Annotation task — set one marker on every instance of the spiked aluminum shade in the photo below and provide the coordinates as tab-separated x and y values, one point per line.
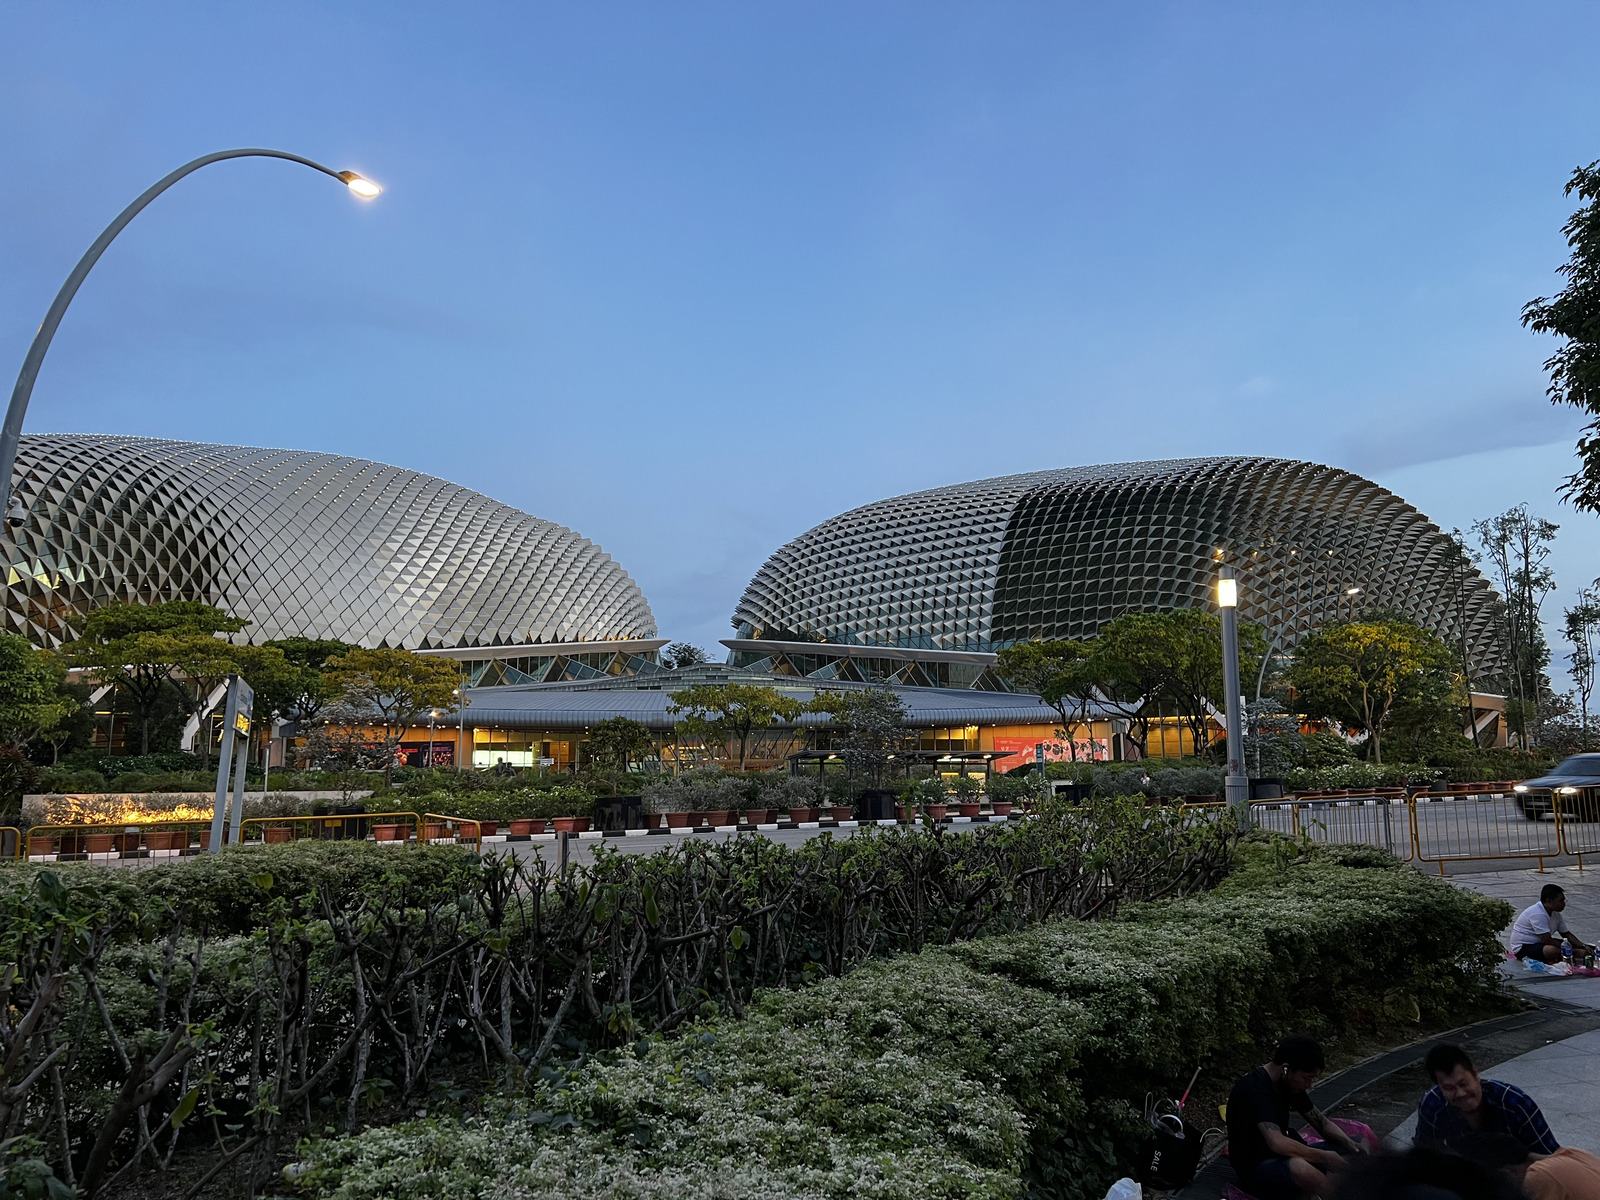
298	544
979	566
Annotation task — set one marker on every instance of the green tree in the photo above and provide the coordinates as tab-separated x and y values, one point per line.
618	741
397	686
868	727
305	686
1372	675
1517	545
1574	314
1066	675
1178	654
135	649
33	703
683	654
1582	621
723	712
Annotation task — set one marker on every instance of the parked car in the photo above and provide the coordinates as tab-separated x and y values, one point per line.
1574	784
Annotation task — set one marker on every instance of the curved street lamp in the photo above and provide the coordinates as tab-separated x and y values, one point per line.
12	429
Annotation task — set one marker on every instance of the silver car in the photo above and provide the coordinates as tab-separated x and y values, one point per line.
1575	784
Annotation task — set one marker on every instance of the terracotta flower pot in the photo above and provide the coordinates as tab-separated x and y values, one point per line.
276	835
842	812
717	816
526	825
1001	808
756	816
938	812
434	830
652	820
390	833
41	845
485	828
97	843
204	839
127	843
798	815
904	812
968	810
677	820
572	824
69	843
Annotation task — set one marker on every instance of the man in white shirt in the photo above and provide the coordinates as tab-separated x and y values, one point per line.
1540	928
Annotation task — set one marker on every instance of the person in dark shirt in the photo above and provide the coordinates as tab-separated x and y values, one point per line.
1272	1161
1461	1106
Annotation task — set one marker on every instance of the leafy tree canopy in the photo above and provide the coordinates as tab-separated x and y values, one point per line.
1574	314
618	741
1376	676
722	712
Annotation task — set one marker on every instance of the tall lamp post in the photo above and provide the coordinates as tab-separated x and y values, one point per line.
20	394
1238	784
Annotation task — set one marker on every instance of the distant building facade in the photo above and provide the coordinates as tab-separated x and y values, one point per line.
926	588
309	545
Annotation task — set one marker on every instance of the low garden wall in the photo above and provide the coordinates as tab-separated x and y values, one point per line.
97	807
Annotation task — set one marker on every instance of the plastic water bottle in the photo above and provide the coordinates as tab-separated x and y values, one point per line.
1566	953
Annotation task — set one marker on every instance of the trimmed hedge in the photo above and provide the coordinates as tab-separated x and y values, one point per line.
994	1067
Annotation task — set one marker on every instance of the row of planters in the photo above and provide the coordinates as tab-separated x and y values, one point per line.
72	843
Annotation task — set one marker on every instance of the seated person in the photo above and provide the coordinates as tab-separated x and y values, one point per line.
1568	1174
1460	1106
1540	928
1272	1161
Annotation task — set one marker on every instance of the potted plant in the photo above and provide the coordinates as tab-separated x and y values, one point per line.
276	835
435	831
842	812
390	833
97	843
967	790
524	826
572	824
162	839
717	817
41	844
757	816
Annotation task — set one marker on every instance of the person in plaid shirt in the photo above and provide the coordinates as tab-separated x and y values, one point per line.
1460	1106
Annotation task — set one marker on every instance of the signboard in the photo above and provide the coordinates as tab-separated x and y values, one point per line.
1021	750
241	722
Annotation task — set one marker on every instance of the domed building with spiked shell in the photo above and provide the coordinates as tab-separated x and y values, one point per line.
309	545
927	587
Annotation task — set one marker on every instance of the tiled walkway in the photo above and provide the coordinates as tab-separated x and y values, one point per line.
1563	1077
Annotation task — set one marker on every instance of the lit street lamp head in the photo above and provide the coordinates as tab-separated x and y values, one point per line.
1227	593
362	187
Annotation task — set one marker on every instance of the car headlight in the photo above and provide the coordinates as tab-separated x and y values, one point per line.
1568	791
1520	787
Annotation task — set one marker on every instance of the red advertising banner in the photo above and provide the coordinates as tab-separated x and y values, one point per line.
1020	750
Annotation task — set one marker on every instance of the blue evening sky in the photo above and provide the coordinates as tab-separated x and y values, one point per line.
690	278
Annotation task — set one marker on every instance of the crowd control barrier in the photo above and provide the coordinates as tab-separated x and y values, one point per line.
1467	823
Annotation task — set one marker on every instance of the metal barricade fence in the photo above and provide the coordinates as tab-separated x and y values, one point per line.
1476	826
1579	815
10	842
117	839
1375	820
394	828
437	827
